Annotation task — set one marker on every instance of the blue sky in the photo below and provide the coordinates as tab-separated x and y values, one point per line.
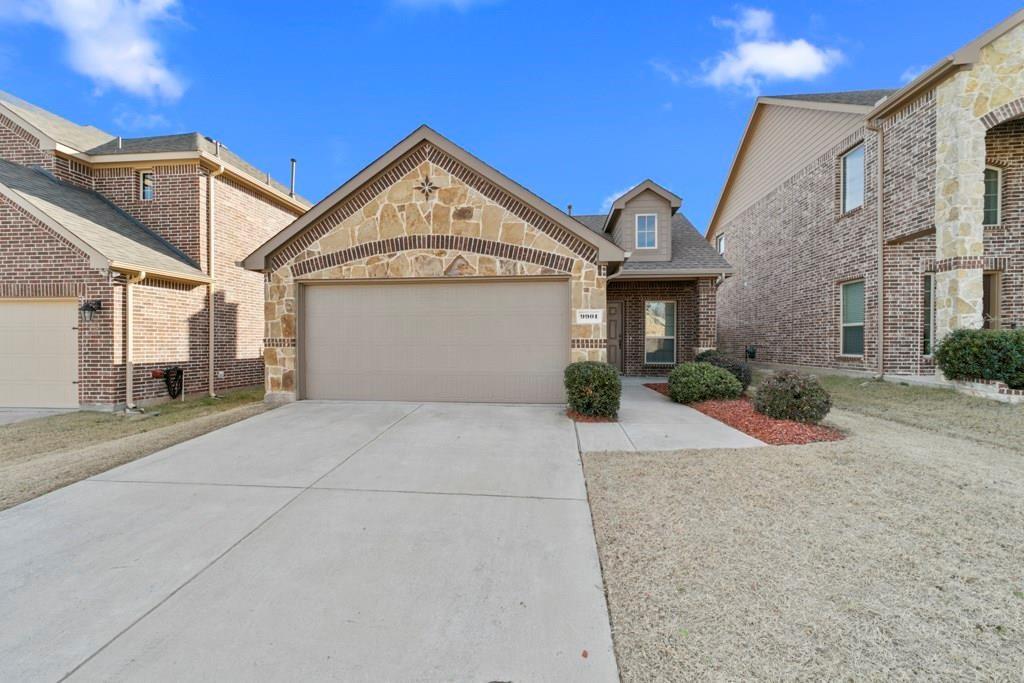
576	101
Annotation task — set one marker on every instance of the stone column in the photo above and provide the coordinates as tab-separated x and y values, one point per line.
707	324
959	207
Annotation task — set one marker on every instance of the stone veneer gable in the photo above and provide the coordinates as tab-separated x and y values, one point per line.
464	227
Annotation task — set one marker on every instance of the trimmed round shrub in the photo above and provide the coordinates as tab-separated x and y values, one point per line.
738	368
695	382
791	396
593	388
703	356
983	354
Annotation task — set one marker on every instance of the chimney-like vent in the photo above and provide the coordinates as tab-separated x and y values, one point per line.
119	142
570	209
291	185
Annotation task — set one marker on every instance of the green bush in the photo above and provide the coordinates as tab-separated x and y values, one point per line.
593	388
703	356
694	382
791	396
738	368
983	354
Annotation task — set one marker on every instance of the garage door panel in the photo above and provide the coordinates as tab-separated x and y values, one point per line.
38	353
492	342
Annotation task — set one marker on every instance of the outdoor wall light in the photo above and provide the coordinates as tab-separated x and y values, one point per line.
89	308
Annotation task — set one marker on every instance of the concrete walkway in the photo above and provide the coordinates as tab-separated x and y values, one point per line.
11	415
319	541
649	421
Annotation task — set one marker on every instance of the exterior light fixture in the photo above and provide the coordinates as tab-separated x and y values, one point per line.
89	308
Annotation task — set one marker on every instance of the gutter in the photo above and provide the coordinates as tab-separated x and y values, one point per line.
211	224
129	339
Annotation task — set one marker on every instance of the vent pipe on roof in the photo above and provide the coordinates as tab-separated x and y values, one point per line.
570	209
291	186
119	142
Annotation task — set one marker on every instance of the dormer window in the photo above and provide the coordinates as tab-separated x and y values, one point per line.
146	185
647	231
720	244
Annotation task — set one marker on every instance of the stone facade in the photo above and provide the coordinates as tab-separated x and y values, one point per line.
427	216
793	248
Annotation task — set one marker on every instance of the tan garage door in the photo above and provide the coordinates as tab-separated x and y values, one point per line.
502	342
38	354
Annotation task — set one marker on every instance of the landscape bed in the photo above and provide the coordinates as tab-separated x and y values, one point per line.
740	414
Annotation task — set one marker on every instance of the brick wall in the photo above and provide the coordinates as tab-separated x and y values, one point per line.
36	263
21	147
633	294
792	250
1005	149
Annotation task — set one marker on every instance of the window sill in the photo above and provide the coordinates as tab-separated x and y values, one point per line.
850	213
659	365
849	357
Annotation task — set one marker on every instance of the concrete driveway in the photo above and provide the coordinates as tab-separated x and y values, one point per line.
322	540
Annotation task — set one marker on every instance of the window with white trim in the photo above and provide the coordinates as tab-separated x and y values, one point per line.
720	244
852	317
660	332
993	195
853	178
146	185
647	231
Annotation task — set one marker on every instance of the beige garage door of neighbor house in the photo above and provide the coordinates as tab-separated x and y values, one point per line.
492	341
38	353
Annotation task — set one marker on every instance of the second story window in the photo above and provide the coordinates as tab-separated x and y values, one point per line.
993	195
853	178
720	244
647	231
145	185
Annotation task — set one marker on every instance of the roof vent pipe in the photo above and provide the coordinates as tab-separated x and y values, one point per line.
216	147
291	186
570	209
119	142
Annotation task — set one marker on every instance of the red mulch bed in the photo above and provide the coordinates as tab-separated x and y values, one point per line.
740	414
580	417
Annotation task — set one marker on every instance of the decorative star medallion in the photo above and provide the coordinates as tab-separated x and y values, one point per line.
426	187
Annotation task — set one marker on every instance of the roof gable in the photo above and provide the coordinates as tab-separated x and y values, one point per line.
426	144
674	200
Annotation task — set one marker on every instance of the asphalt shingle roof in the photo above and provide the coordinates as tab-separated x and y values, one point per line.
866	98
689	249
60	129
95	221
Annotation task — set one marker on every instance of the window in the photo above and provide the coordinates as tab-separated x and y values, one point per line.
720	244
660	332
928	331
853	178
990	296
993	195
646	231
145	185
853	319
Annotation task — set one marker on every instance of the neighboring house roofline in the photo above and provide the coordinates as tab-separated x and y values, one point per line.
674	200
607	250
964	57
723	195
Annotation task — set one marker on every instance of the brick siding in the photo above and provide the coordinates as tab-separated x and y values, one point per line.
1005	149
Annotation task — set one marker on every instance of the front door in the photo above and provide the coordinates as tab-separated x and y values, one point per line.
615	334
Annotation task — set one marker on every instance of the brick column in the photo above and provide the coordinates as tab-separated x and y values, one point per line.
959	207
707	325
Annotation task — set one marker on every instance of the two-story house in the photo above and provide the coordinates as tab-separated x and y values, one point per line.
119	257
430	276
864	226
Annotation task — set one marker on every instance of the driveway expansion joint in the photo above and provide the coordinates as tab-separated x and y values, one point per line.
447	493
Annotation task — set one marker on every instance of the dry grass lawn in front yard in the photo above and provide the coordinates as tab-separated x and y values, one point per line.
896	553
40	455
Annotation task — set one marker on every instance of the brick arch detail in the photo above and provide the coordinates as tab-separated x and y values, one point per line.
1008	111
461	243
427	152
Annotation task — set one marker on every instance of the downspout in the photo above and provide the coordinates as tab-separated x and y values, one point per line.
211	191
879	219
129	338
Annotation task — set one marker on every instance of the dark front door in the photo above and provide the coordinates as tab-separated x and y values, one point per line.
615	334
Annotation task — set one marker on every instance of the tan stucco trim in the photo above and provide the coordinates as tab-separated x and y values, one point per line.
648	185
824	106
962	58
607	251
130	269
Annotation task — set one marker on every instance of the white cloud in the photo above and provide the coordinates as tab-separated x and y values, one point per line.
460	5
606	203
911	72
110	41
666	70
758	56
133	120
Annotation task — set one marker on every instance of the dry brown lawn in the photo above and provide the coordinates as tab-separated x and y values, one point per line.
41	455
895	554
